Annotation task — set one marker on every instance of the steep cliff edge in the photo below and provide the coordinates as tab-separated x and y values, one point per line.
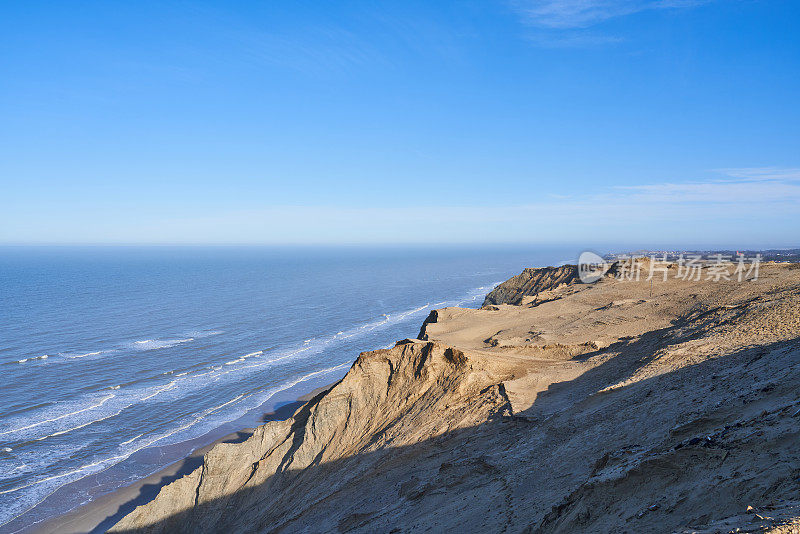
531	282
608	407
389	399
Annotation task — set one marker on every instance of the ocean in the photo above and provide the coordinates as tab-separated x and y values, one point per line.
109	351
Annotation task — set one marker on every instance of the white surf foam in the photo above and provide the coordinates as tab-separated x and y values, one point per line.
60	417
84	425
155	344
141	345
243	358
168	387
78	355
33	358
134	438
259	397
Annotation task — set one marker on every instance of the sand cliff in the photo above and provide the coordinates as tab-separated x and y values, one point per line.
530	283
558	407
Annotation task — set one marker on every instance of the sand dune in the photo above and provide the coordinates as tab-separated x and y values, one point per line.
558	407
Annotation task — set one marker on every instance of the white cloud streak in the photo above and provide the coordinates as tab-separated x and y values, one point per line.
768	174
741	186
567	14
573	23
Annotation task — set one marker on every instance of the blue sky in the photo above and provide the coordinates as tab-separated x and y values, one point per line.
643	122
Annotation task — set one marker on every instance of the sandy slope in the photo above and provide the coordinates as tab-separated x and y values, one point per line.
587	408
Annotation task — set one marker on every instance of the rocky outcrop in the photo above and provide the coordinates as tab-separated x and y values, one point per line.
433	317
530	283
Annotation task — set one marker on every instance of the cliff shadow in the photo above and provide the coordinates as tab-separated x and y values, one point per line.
148	491
464	473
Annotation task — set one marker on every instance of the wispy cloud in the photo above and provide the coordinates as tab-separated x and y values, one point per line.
564	14
762	174
738	186
567	23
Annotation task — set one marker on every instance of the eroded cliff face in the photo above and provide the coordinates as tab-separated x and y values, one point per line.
530	283
609	407
390	399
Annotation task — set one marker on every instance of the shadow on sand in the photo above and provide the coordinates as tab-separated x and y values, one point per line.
531	471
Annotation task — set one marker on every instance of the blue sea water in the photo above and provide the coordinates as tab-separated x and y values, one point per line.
107	351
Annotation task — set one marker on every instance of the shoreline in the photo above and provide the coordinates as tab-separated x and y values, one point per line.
109	495
105	509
